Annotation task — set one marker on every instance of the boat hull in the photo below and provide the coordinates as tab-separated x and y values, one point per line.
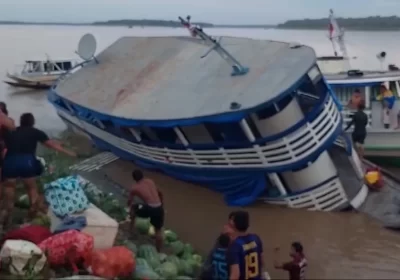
28	85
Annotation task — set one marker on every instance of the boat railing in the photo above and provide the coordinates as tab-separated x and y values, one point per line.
327	197
296	147
347	116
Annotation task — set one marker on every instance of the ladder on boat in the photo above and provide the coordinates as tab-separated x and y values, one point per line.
95	162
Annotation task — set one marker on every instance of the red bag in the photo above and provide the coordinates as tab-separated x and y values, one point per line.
68	247
31	233
114	262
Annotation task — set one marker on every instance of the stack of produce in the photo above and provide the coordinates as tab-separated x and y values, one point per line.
179	260
181	263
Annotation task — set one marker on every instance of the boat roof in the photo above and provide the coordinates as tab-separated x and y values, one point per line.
367	77
158	78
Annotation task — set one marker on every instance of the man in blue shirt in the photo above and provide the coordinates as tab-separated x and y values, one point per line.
245	254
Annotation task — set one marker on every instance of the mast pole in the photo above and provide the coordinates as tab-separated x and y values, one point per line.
238	68
338	33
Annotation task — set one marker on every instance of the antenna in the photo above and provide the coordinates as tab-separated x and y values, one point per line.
87	47
196	31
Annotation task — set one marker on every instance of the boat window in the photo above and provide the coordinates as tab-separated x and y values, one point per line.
226	132
314	74
307	88
166	134
196	134
308	94
393	88
375	90
67	65
273	109
344	93
127	134
146	133
58	66
253	128
36	66
108	124
48	66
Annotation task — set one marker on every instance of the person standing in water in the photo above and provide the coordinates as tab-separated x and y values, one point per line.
297	266
152	206
360	122
245	254
20	162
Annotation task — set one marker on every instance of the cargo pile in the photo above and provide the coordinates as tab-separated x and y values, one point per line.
85	231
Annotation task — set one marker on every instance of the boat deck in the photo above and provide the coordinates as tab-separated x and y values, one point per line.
160	78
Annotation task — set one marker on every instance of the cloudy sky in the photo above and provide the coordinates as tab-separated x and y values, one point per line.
214	11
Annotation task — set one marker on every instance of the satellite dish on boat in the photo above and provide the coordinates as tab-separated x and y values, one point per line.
381	57
87	47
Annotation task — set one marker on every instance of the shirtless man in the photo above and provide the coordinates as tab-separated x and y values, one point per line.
152	206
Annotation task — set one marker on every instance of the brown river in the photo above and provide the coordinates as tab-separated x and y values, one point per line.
338	245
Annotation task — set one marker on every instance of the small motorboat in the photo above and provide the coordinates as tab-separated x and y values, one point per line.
39	74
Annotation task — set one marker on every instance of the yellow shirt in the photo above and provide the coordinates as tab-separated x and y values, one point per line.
386	94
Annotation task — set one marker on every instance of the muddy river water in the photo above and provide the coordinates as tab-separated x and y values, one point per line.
338	245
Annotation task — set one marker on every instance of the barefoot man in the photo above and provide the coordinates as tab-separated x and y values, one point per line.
151	207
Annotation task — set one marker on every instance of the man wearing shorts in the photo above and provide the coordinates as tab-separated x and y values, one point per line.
360	122
151	207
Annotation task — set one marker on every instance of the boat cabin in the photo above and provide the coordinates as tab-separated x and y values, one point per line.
47	67
369	85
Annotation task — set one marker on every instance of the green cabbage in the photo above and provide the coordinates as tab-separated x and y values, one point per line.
162	257
170	236
145	273
177	247
142	225
140	262
168	271
149	253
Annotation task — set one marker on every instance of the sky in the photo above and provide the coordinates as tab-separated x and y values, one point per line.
213	11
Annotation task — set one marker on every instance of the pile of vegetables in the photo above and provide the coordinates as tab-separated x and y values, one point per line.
180	262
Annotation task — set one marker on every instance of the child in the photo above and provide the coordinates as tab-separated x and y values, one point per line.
217	268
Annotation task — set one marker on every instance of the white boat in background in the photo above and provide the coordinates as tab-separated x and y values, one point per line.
39	74
344	81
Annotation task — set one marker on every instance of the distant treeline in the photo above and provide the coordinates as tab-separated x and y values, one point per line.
147	22
266	26
40	23
369	23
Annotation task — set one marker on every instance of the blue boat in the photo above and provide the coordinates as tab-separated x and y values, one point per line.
251	119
